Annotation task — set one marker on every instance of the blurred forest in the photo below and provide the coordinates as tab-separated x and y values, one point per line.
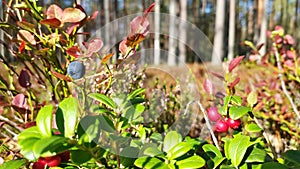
226	23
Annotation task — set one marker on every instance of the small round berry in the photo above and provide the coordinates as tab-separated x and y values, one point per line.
53	161
221	126
40	164
213	114
234	124
76	70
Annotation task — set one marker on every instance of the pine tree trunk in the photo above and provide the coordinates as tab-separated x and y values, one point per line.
182	32
157	33
231	37
172	31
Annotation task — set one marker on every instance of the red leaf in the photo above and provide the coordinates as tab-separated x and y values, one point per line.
123	48
290	54
20	101
94	16
208	86
74	51
107	57
139	25
235	82
22	47
221	77
94	46
149	9
54	11
27	36
54	22
61	76
289	39
71	28
234	63
24	79
73	15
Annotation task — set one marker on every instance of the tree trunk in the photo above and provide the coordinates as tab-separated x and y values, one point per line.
263	29
182	32
172	31
231	37
106	21
156	34
219	33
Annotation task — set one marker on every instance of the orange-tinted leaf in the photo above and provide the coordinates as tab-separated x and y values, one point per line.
234	63
134	40
73	15
74	51
54	11
54	22
61	76
26	25
208	86
27	36
22	46
149	9
107	57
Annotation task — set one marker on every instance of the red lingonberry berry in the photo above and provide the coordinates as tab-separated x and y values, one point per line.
40	164
234	124
221	126
53	161
213	114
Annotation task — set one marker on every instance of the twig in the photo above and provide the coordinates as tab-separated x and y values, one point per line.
214	138
282	82
13	124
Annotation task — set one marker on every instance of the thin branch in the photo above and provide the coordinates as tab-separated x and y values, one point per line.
214	138
11	123
282	82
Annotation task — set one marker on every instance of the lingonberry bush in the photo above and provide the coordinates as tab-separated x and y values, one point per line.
102	125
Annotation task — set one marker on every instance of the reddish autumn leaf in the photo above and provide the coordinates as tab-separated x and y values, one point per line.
73	15
218	75
94	16
234	63
24	79
61	76
123	48
289	39
93	46
208	86
107	57
22	46
74	51
149	9
26	25
54	11
235	82
291	54
54	22
20	101
27	36
278	98
134	40
139	25
71	28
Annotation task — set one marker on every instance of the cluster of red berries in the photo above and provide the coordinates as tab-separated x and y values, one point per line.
53	161
222	124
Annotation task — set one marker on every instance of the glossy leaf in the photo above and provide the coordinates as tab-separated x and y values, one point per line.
258	155
152	151
150	163
127	156
54	11
274	165
53	22
44	121
66	116
172	138
46	147
252	127
26	25
106	124
237	148
88	129
103	99
73	15
209	148
236	112
292	156
179	150
191	162
13	164
234	63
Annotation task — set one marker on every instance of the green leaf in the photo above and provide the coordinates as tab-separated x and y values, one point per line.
88	129
191	162
273	165
106	124
211	148
258	155
237	148
252	127
128	156
152	151
236	112
13	164
179	150
226	141
29	133
27	149
44	121
150	163
172	138
292	156
237	100
252	98
156	136
103	99
80	156
46	147
66	116
136	93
